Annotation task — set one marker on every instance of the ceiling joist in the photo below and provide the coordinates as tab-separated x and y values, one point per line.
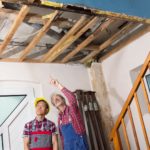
24	10
73	38
16	60
119	34
141	33
88	40
83	10
31	18
37	38
75	28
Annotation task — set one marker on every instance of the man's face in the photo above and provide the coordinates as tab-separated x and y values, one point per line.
41	108
58	101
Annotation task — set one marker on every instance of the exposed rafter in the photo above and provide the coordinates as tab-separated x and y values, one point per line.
72	39
16	60
74	29
24	10
31	18
119	34
38	36
88	40
141	33
92	47
87	11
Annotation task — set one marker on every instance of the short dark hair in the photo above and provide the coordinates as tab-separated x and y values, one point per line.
44	102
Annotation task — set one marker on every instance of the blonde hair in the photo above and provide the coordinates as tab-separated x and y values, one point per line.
56	95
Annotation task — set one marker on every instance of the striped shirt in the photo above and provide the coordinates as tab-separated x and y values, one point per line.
40	126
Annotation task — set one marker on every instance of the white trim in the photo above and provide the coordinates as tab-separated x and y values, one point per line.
17	90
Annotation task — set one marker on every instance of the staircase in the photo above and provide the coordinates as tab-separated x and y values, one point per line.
115	136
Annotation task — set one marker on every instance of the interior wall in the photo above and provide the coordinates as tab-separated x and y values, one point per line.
37	76
103	101
116	70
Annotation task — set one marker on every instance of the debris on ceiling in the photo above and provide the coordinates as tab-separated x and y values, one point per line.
33	32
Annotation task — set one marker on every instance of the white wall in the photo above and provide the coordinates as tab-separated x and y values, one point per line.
37	76
116	72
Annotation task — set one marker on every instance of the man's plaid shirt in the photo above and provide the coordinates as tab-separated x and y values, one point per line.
75	115
39	127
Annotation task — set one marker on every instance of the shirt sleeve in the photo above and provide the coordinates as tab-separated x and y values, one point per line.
54	129
71	99
61	136
26	131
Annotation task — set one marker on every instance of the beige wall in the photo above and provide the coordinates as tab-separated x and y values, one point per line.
116	73
37	76
99	86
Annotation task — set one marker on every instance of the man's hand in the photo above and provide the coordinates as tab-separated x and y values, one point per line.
55	82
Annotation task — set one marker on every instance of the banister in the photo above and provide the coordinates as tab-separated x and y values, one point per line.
130	97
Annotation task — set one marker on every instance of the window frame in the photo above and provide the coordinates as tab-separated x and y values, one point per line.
14	108
2	141
146	84
147	81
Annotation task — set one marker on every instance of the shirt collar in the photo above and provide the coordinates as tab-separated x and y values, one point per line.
61	113
37	122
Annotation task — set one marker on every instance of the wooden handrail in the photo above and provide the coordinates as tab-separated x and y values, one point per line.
130	97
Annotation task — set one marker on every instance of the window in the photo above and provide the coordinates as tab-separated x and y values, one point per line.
8	104
1	142
148	81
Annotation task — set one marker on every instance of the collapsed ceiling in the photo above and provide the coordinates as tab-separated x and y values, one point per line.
62	37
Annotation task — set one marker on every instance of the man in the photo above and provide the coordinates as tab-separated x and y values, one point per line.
40	133
70	122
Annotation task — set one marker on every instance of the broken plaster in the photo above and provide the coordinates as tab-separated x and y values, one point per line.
47	16
99	87
113	14
54	4
124	16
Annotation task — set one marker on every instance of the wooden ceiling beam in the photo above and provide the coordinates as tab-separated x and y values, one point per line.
89	11
135	37
37	38
31	18
66	37
16	60
74	38
91	47
119	34
88	40
21	15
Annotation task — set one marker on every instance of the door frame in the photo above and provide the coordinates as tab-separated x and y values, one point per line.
28	100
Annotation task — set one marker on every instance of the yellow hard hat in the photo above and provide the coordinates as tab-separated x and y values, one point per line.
42	99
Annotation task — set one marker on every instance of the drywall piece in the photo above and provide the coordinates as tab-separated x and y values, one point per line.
127	7
99	87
